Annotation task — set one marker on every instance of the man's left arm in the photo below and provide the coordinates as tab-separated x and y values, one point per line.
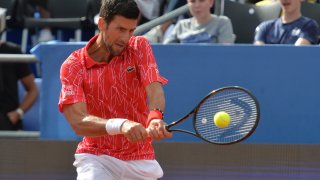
309	34
155	93
156	103
302	41
32	92
30	97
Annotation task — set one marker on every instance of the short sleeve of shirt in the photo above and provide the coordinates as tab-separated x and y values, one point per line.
310	32
71	76
260	32
23	70
147	66
225	31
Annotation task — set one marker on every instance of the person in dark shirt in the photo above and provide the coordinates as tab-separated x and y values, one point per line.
291	28
11	111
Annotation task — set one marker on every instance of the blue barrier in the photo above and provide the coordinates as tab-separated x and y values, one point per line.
285	80
53	124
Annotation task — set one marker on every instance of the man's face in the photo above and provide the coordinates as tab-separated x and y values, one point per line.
290	6
199	8
117	33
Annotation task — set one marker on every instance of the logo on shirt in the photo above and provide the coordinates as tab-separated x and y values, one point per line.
68	90
130	68
296	32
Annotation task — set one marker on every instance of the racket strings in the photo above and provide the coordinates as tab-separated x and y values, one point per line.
240	106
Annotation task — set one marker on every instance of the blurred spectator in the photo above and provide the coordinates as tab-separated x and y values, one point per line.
150	9
11	112
39	9
203	27
160	32
290	28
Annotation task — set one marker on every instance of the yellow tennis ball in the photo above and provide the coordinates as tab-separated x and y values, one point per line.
221	119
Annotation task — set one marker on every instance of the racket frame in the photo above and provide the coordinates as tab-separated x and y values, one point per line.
195	110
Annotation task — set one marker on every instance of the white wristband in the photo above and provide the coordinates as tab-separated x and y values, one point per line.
113	126
20	112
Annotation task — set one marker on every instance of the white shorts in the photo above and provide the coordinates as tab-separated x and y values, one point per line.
103	167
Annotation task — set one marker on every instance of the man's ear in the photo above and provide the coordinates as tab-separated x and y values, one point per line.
102	25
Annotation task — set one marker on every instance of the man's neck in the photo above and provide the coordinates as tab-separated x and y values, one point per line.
290	17
204	20
98	51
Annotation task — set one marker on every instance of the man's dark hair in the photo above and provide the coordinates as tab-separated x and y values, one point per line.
126	8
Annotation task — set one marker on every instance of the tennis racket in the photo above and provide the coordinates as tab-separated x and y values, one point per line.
239	103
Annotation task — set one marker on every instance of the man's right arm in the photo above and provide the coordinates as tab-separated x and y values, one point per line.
84	124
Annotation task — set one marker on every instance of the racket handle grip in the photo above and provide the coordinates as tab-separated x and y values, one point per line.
168	128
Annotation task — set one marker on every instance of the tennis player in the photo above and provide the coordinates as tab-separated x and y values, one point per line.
112	95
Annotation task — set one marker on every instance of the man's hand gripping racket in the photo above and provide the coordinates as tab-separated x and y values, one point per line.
240	109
